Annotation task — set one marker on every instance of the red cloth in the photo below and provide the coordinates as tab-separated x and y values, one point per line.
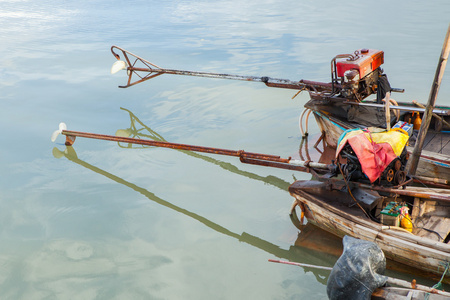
374	158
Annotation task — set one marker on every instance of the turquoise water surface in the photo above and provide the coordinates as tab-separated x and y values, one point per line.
102	220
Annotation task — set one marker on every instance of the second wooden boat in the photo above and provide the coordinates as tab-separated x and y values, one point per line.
373	214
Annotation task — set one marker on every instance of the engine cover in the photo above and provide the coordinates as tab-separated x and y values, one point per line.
364	61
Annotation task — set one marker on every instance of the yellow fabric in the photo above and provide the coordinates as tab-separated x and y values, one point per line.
395	138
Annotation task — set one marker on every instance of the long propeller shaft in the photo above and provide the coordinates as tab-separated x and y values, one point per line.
245	157
144	70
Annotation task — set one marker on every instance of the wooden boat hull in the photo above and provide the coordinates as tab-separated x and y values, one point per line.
406	248
431	164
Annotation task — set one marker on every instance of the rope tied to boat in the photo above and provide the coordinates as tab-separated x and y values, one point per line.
296	94
438	285
308	166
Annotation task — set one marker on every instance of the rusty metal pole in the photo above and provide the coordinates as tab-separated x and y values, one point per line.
414	161
245	157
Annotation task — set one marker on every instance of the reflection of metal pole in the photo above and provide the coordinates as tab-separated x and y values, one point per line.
135	132
294	253
414	161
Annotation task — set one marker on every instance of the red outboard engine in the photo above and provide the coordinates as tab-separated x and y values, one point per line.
355	76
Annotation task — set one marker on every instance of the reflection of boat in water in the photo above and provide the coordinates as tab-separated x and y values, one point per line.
307	248
296	252
312	245
139	130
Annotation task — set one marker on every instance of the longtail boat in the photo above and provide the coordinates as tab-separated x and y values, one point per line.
340	104
373	211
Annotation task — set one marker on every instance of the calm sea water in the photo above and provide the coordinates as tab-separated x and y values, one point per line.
108	221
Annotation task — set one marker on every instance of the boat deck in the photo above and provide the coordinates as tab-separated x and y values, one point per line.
439	143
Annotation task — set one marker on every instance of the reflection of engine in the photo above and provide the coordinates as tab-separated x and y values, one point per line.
394	174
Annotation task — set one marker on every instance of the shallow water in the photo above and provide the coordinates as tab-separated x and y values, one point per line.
106	221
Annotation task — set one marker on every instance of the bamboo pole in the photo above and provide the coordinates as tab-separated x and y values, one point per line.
414	161
388	111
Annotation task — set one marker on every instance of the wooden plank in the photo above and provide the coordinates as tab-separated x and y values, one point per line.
416	209
446	149
428	138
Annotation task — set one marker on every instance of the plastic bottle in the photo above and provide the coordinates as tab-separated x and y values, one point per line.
406	219
417	121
